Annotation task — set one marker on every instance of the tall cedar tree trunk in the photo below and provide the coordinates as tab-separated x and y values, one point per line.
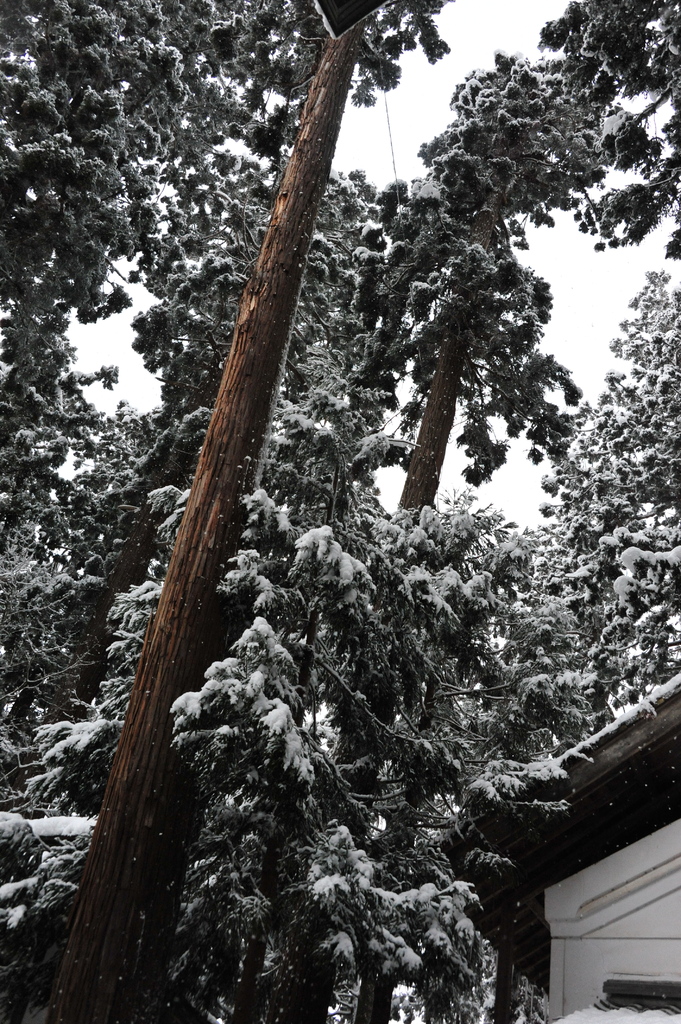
122	926
422	482
425	467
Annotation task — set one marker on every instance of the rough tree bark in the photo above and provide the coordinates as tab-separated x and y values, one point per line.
114	967
425	467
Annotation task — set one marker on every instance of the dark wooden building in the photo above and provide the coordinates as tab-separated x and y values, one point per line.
621	786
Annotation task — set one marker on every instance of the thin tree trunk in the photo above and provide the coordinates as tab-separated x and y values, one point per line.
425	467
129	571
304	986
365	1000
246	998
383	1001
122	926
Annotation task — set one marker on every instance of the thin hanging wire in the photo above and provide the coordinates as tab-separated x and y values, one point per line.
394	166
392	148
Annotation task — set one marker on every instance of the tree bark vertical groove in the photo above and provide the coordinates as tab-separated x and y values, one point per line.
114	967
425	467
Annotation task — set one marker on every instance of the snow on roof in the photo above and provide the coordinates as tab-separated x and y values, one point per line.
646	708
596	1015
327	24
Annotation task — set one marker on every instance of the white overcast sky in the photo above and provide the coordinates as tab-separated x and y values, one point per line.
591	290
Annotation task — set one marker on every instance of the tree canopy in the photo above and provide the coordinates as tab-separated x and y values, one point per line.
379	679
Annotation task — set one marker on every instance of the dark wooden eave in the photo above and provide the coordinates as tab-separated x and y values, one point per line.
341	15
629	786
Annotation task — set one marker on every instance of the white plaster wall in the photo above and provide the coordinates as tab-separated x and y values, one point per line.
619	918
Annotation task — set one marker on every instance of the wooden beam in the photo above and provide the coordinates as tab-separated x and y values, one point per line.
535	906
